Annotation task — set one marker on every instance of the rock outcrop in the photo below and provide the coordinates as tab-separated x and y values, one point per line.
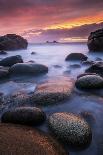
95	41
12	42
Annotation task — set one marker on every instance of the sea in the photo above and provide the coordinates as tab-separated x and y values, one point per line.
53	55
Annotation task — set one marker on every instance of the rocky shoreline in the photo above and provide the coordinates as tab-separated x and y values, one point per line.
67	131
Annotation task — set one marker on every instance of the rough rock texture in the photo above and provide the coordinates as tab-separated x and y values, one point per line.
84	74
12	42
3	72
76	56
9	61
89	82
96	68
95	41
20	140
52	92
28	68
71	128
24	115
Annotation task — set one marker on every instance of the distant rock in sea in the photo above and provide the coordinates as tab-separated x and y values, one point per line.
12	42
95	41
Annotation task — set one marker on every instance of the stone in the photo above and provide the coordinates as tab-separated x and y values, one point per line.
22	140
76	57
52	92
84	74
24	115
3	72
89	82
71	129
12	42
3	53
9	61
95	41
28	69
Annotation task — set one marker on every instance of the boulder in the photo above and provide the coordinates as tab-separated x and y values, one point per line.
24	115
12	42
84	74
95	41
87	63
9	61
71	129
89	82
96	68
22	140
52	92
28	69
76	57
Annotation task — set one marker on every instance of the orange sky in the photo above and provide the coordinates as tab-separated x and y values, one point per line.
39	21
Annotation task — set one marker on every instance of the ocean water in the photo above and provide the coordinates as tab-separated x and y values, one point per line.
53	55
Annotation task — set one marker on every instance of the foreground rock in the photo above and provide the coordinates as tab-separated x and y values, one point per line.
71	129
20	140
89	82
9	61
24	115
28	68
84	74
3	53
52	92
77	57
12	42
96	68
3	72
95	41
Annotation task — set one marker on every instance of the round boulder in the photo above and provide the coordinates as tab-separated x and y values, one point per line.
52	92
21	140
9	61
89	82
76	57
24	115
70	128
95	41
28	69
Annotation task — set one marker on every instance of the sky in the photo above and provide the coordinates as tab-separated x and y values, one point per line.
42	20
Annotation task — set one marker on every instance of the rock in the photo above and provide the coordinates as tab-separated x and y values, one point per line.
96	68
76	57
57	66
3	72
24	115
88	62
12	42
98	59
3	53
89	82
75	66
28	69
52	92
84	74
32	53
9	61
95	41
21	140
71	128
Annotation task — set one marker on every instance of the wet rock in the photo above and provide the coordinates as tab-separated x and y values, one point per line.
71	128
28	69
9	61
24	115
21	140
98	59
96	68
52	92
3	53
84	74
89	82
88	62
77	57
75	66
32	53
12	42
95	41
57	66
3	72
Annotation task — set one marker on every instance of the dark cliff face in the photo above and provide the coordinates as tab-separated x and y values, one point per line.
12	42
95	41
